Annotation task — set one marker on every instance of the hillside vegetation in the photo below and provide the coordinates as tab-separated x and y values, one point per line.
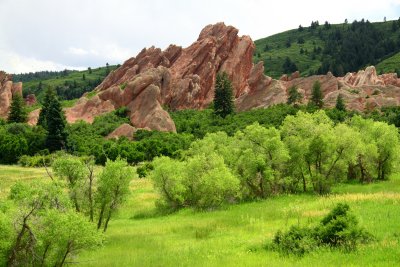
339	48
69	84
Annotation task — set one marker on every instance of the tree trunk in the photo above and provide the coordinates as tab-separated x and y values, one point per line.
44	255
101	216
304	182
107	220
66	254
13	255
90	197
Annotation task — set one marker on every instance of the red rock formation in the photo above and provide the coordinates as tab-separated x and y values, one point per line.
183	78
123	130
30	100
177	78
7	90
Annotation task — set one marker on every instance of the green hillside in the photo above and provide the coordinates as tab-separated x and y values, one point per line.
338	48
391	64
69	84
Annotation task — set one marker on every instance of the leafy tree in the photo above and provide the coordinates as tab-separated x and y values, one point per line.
18	111
209	181
294	95
46	231
223	97
74	172
113	187
316	95
168	176
381	145
52	118
200	181
319	152
340	105
262	160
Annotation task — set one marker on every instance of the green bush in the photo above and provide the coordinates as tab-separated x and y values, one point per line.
296	241
338	229
144	169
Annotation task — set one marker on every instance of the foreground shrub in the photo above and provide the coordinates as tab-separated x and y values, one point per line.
296	241
338	229
201	182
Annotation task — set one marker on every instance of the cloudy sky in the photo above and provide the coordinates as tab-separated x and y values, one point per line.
75	34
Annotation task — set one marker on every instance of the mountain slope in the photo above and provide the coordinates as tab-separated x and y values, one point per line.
69	84
339	48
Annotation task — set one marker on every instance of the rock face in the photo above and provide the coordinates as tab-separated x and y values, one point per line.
30	100
123	130
184	78
7	90
177	78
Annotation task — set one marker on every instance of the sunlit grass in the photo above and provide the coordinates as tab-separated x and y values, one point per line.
236	235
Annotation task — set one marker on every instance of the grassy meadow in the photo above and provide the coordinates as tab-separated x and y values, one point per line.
237	235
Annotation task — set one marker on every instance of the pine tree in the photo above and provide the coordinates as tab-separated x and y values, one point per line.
294	95
18	112
52	118
223	99
340	105
316	95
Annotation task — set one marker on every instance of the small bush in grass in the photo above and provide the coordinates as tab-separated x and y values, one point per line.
296	241
338	229
144	169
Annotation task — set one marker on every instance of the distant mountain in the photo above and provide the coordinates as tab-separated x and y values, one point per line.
69	84
339	48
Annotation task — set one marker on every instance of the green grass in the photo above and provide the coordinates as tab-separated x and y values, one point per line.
9	174
391	64
237	235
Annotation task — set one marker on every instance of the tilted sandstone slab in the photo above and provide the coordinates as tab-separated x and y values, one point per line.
7	90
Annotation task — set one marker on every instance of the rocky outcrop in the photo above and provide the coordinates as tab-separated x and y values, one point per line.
30	100
124	130
33	117
184	78
7	90
177	78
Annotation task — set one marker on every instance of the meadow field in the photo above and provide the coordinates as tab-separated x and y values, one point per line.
237	235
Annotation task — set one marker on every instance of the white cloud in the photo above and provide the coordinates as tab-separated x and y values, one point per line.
17	64
48	33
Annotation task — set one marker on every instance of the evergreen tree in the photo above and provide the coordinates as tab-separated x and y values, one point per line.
223	99
316	95
294	95
340	105
52	118
17	110
289	66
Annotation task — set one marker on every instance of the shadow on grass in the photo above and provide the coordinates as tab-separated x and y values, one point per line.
150	214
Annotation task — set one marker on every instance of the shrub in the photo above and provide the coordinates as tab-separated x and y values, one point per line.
340	229
337	229
144	169
296	241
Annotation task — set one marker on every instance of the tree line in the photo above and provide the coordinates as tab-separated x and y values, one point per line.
308	152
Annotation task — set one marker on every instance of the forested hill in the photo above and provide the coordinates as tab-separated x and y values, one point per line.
69	84
338	48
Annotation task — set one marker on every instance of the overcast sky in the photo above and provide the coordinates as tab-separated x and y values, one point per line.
76	34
